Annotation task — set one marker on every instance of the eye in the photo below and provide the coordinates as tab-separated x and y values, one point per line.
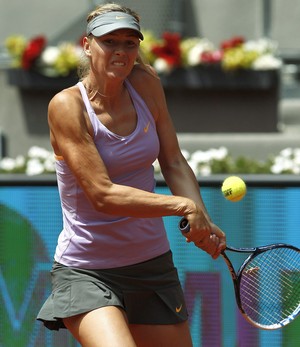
132	43
109	42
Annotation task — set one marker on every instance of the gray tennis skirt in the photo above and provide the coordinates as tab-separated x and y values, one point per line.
149	292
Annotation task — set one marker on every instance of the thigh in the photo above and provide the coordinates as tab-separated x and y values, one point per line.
103	327
175	335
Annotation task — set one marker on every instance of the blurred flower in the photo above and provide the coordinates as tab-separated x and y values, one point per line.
49	55
168	50
34	54
34	167
162	66
195	51
288	161
67	59
219	161
172	51
266	61
15	46
37	161
32	51
202	161
212	161
7	164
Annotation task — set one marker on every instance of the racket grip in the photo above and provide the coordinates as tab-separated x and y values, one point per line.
184	225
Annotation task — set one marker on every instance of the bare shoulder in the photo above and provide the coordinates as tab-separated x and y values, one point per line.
144	77
147	83
66	108
67	119
65	100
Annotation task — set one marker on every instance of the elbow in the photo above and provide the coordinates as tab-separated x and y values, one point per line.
104	201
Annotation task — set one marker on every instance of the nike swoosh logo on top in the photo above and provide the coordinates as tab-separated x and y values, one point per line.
178	309
146	128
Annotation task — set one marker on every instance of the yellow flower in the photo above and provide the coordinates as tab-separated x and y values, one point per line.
67	59
16	45
146	46
238	57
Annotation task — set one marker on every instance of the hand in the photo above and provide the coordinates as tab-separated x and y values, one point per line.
211	239
217	242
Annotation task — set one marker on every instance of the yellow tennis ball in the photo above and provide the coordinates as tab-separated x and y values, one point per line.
234	188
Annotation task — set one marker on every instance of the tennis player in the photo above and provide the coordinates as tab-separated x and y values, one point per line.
113	278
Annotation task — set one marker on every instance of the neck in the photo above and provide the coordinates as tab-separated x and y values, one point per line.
103	92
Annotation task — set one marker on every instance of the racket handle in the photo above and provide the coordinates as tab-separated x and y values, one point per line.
184	225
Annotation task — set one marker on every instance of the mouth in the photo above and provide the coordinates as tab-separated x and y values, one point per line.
118	63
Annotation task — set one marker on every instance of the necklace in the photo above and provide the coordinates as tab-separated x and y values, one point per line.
90	91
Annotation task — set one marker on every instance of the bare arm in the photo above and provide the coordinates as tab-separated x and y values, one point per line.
71	137
182	181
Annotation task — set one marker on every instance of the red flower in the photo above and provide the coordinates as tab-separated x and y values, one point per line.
170	49
211	57
33	51
233	42
80	40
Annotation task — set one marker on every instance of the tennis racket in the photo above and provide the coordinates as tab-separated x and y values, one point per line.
267	284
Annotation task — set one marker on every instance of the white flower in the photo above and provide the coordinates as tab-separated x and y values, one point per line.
194	54
34	167
20	161
162	66
156	166
49	164
288	160
261	46
209	155
49	55
296	170
297	156
205	170
267	62
185	153
79	51
276	169
38	152
286	153
7	164
218	154
200	156
194	166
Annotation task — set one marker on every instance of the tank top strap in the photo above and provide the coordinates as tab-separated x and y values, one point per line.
140	105
85	98
133	93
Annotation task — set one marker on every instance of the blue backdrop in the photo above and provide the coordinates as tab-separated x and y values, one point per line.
30	221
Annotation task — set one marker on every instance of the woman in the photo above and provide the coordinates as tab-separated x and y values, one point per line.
114	281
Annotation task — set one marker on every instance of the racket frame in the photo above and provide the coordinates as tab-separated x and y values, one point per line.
236	275
236	278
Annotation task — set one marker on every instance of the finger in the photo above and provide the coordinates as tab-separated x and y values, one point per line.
222	245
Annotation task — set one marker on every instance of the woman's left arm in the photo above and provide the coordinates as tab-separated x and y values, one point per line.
176	171
181	179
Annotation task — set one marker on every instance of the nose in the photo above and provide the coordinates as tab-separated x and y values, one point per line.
120	49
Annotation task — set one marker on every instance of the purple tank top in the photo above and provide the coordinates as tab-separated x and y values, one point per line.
95	240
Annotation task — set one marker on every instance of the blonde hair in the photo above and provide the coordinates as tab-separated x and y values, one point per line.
112	7
84	65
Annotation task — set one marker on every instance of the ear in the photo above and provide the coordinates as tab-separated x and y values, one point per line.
86	46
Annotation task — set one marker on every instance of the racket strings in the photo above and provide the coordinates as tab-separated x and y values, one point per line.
269	264
273	294
275	291
270	286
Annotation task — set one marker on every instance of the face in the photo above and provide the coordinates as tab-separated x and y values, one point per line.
113	54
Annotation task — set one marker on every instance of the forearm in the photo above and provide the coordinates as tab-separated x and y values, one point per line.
127	201
182	182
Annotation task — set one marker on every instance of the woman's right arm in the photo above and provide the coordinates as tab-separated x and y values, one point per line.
72	138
